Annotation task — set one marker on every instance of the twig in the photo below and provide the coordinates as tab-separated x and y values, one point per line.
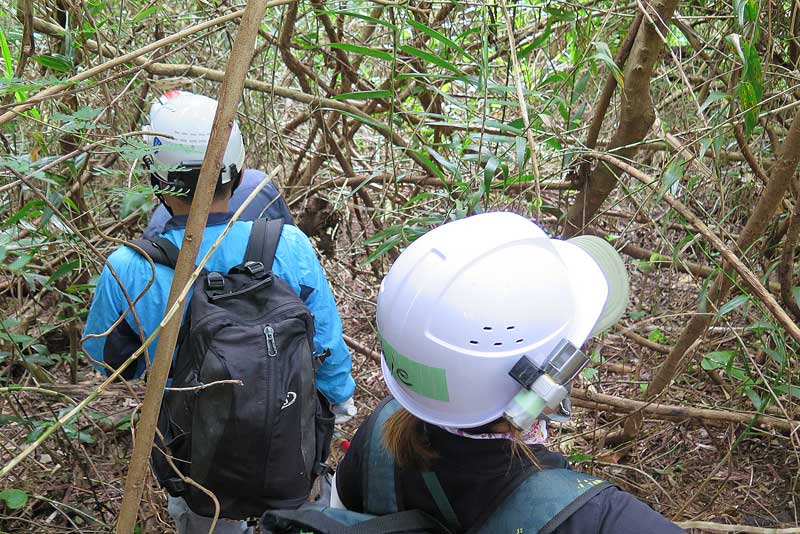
523	106
204	386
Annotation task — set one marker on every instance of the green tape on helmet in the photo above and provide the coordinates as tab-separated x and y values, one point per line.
422	379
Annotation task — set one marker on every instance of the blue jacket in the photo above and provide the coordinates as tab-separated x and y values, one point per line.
268	203
295	262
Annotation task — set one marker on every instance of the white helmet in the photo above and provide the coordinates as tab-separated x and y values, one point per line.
465	302
187	118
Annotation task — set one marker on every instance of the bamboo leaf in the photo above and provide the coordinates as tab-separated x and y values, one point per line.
355	15
430	58
362	50
603	55
8	72
364	95
56	62
441	38
143	14
732	305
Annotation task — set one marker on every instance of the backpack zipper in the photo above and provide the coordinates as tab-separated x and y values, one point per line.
269	335
282	308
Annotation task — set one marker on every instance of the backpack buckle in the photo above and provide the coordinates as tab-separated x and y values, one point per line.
319	358
215	280
255	268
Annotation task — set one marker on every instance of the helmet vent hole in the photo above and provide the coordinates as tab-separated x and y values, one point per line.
520	340
510	327
498	344
473	342
487	328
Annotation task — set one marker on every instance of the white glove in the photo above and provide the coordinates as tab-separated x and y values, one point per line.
344	411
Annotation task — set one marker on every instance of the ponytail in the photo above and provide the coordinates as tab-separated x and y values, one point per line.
405	438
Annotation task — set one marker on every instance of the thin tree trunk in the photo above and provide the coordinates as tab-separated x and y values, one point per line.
636	114
229	97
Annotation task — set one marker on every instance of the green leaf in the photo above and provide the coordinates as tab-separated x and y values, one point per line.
354	15
430	58
672	176
732	305
143	14
755	398
56	62
713	96
8	72
521	151
384	247
133	200
717	359
431	166
775	355
657	336
540	40
364	95
21	261
441	38
580	457
363	50
603	54
63	270
14	498
746	11
589	373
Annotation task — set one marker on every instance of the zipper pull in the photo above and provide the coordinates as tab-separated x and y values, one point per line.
269	335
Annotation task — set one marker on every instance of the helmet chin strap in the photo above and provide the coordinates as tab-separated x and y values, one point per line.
164	203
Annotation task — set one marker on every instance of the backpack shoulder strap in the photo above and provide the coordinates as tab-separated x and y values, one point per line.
337	521
263	241
379	494
543	501
159	249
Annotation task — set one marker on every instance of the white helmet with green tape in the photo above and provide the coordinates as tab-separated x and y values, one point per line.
466	301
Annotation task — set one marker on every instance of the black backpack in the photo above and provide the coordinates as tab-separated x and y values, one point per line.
258	445
534	501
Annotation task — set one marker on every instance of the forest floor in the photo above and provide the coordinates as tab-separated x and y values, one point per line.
686	469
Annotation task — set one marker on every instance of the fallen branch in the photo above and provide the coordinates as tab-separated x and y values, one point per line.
672	410
743	529
362	349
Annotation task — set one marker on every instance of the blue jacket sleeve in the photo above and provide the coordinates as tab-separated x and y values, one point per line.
119	344
333	378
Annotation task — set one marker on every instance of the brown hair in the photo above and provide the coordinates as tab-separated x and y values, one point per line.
405	438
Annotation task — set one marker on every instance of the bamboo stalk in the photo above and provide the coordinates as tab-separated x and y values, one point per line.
229	97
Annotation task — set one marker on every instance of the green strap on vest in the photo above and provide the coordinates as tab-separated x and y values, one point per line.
378	486
440	498
539	504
